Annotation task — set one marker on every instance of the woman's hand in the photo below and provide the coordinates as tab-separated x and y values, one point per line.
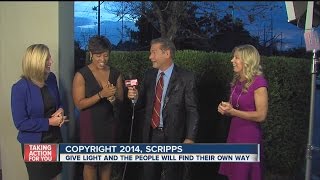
225	108
108	90
58	118
59	112
63	120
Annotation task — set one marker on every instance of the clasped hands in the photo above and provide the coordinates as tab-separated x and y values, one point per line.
58	118
108	91
225	108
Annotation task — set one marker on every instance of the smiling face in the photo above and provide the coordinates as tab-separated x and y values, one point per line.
246	62
99	60
49	62
237	63
160	58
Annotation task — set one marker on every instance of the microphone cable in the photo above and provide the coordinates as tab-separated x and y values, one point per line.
130	137
132	118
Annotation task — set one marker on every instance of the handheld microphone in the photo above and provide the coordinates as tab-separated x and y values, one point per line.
131	83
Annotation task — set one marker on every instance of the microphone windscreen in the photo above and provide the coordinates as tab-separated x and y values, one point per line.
130	76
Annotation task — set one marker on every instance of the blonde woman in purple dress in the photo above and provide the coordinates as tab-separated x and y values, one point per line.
248	107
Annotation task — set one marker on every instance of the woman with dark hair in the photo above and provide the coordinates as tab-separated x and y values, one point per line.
97	92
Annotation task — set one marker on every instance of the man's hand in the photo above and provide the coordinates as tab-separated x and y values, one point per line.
188	141
132	93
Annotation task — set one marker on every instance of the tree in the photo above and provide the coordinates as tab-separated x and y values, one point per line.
146	30
164	16
196	29
169	14
79	56
298	53
231	33
193	25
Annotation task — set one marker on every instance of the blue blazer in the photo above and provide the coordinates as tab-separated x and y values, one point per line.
28	110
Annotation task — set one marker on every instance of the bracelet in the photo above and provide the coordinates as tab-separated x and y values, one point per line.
99	95
112	99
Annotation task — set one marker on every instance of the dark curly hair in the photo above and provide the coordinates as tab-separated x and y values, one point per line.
99	44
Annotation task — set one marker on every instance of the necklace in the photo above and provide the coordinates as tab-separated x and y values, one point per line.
230	99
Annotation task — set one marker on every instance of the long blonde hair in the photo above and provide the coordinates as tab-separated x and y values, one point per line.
251	64
34	62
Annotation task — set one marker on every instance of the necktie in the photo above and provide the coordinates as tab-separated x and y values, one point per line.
155	120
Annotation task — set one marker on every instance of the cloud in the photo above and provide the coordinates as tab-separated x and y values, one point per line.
84	28
85	9
87	26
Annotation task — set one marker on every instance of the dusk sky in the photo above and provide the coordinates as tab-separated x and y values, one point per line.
291	35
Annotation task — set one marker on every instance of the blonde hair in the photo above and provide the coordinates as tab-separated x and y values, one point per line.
251	64
34	62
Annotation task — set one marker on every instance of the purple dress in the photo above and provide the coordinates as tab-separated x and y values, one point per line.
244	131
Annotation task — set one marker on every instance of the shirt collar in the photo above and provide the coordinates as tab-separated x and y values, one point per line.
167	72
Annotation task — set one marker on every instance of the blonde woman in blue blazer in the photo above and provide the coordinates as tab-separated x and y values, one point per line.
36	109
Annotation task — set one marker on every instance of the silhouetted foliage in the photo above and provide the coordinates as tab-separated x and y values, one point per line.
297	53
79	56
146	31
231	33
196	32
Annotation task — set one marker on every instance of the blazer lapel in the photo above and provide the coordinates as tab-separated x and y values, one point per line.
153	80
171	86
